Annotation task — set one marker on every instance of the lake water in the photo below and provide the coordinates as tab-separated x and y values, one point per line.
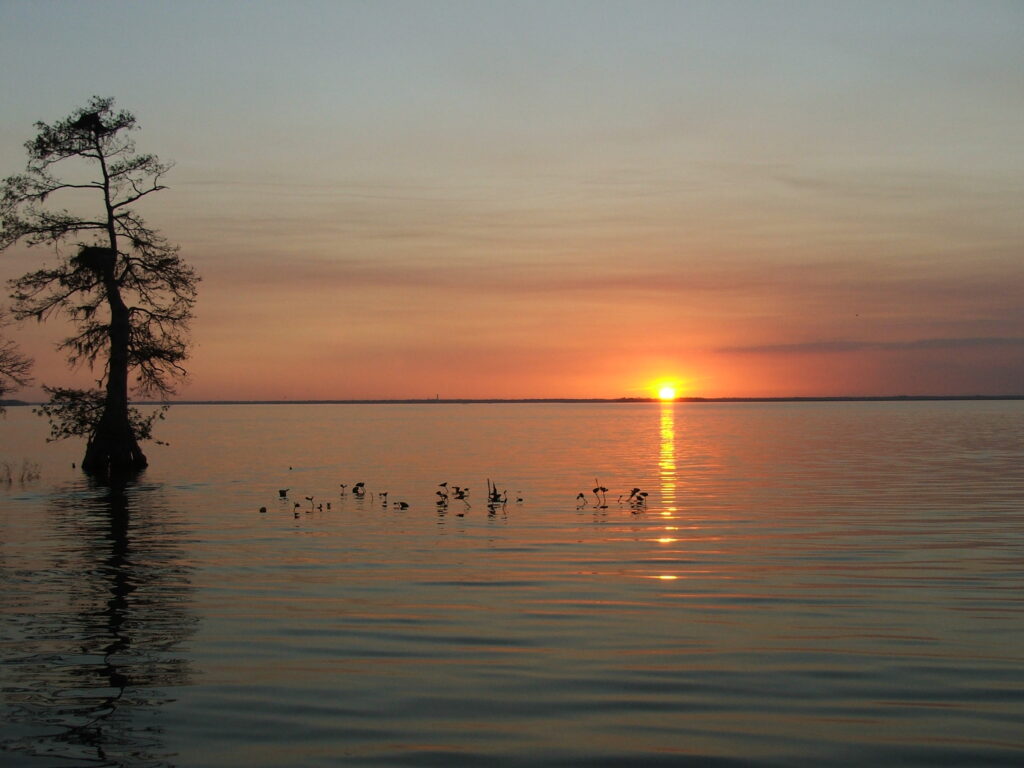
806	584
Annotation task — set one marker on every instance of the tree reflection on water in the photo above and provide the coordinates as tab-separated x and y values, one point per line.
94	617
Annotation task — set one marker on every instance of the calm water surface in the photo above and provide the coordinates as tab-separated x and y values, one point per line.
835	583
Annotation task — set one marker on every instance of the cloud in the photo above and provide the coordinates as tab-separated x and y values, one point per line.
842	346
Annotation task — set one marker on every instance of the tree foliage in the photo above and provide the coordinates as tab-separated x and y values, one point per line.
126	290
76	412
15	367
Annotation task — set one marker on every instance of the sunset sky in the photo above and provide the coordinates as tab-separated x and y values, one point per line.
563	199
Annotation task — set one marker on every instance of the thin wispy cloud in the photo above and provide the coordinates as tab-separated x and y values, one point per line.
842	346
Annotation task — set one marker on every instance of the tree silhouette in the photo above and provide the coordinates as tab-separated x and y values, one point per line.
126	290
14	366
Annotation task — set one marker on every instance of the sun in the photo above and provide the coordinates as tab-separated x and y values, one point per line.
667	392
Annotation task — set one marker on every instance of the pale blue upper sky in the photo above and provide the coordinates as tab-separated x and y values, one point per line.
739	174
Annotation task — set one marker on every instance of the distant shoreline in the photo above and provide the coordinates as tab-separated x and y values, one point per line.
527	400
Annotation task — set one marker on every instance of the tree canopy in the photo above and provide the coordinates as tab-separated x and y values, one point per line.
15	367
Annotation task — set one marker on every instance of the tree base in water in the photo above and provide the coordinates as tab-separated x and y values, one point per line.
113	458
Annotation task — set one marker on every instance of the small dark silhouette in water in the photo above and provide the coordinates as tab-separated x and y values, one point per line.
637	500
283	492
495	499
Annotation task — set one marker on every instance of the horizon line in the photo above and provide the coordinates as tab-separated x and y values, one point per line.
526	400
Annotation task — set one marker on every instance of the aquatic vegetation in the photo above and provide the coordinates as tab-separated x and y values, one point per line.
28	472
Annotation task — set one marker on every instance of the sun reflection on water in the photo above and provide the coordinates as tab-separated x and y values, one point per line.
667	476
667	459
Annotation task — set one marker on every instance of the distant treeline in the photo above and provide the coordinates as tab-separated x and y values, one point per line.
468	401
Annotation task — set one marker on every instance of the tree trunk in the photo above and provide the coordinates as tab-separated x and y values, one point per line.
113	450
